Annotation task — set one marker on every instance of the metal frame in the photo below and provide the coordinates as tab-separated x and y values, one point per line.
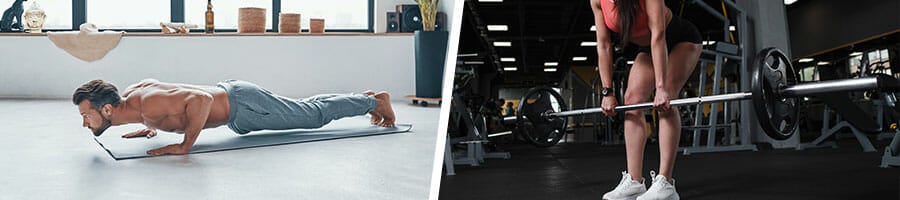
176	14
828	131
891	155
476	137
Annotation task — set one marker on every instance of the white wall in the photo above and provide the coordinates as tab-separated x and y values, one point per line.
295	66
384	6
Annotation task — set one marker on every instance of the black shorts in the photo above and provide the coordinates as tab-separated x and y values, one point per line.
677	31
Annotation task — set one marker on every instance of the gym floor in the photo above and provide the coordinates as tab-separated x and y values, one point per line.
48	155
587	170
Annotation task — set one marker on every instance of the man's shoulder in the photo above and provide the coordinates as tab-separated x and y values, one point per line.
149	80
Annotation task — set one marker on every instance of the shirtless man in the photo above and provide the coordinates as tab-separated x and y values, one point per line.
242	106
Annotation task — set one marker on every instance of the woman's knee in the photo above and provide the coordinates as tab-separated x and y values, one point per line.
634	97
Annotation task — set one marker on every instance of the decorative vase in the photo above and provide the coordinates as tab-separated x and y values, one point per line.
431	52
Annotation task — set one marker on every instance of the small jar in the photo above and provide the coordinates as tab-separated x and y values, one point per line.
316	25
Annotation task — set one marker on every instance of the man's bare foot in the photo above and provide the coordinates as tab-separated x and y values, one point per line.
383	108
376	118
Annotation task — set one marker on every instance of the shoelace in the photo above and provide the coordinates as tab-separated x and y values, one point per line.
625	177
656	182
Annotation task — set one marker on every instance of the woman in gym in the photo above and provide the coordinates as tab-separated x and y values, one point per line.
669	48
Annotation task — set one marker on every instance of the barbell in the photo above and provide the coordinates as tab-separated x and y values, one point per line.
775	94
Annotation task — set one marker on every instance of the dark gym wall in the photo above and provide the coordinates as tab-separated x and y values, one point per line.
817	25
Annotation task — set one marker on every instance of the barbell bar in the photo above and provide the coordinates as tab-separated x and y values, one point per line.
775	93
792	91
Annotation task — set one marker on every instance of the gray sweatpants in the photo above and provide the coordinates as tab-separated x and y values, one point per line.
254	108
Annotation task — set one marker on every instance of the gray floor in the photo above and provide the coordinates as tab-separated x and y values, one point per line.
46	154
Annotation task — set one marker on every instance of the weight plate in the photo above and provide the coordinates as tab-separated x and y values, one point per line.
532	121
778	116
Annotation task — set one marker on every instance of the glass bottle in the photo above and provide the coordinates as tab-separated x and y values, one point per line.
210	27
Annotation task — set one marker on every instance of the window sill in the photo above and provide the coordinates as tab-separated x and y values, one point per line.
230	34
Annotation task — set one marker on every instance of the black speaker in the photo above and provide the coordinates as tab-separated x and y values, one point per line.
393	22
410	17
440	22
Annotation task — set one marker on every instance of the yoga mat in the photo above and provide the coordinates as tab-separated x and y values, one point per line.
223	139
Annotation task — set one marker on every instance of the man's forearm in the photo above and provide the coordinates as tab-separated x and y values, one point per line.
189	138
197	109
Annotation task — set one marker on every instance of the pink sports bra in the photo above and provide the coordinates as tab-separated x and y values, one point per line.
611	18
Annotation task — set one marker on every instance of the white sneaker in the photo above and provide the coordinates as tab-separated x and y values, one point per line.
660	189
627	189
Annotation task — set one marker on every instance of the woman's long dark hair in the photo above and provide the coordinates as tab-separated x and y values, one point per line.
627	10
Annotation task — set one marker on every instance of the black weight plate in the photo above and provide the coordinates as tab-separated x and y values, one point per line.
531	119
778	116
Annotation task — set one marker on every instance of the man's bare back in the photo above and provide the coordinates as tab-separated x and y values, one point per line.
163	106
188	109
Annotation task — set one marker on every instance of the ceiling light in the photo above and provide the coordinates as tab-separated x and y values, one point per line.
502	44
508	59
805	60
709	42
823	63
491	1
579	58
789	2
497	28
509	69
594	28
549	69
587	43
473	62
731	28
630	62
856	53
551	64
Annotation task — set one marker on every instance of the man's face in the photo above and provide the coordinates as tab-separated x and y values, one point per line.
93	119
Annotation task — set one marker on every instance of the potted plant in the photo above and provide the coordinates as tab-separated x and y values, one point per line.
431	51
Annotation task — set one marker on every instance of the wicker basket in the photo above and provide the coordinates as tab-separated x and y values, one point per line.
289	23
316	25
251	20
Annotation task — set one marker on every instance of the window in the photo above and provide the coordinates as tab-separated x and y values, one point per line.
226	12
118	14
879	62
338	14
809	74
145	15
59	12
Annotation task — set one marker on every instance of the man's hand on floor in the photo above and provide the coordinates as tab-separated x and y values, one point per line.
147	132
175	149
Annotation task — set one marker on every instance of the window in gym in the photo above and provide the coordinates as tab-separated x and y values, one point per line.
879	62
809	74
118	14
59	12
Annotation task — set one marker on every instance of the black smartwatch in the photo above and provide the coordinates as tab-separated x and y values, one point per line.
607	91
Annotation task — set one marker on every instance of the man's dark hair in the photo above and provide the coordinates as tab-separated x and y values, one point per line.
627	10
98	93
